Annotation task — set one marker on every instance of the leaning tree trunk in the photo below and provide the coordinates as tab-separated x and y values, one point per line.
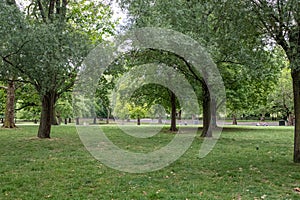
206	104
296	90
173	112
10	106
48	101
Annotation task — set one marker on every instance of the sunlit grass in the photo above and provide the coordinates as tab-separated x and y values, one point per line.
247	163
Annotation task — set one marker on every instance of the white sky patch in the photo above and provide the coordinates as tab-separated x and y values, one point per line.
118	13
22	4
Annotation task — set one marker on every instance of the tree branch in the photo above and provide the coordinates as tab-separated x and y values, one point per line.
51	9
42	11
26	105
57	7
3	87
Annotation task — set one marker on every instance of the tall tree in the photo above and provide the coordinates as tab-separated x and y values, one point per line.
201	20
59	41
12	23
274	22
280	20
9	116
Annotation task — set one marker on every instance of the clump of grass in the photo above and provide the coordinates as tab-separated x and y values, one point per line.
247	163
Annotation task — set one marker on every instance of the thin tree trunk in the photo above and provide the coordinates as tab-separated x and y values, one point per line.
10	106
108	115
296	90
160	119
173	112
48	101
207	129
179	114
290	119
213	113
138	120
54	120
234	121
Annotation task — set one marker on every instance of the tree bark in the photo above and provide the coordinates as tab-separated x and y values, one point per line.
138	120
296	90
160	119
173	112
108	115
10	106
290	119
48	102
214	113
207	129
54	120
234	121
179	114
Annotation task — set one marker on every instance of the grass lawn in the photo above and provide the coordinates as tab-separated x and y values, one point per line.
61	168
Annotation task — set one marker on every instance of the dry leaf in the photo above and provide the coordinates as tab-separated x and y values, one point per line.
297	189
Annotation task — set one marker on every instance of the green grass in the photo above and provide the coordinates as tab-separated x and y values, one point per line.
61	168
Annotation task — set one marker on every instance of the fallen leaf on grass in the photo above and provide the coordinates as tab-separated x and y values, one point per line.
297	190
263	196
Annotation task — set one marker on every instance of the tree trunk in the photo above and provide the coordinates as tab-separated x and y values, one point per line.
234	121
173	112
108	115
54	120
138	120
10	106
179	114
290	119
207	129
296	90
160	119
214	113
48	102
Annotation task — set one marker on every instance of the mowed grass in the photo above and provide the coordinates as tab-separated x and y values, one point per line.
246	163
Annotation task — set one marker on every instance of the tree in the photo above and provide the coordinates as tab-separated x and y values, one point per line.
203	20
276	23
281	98
12	23
137	112
10	104
154	94
58	45
280	20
